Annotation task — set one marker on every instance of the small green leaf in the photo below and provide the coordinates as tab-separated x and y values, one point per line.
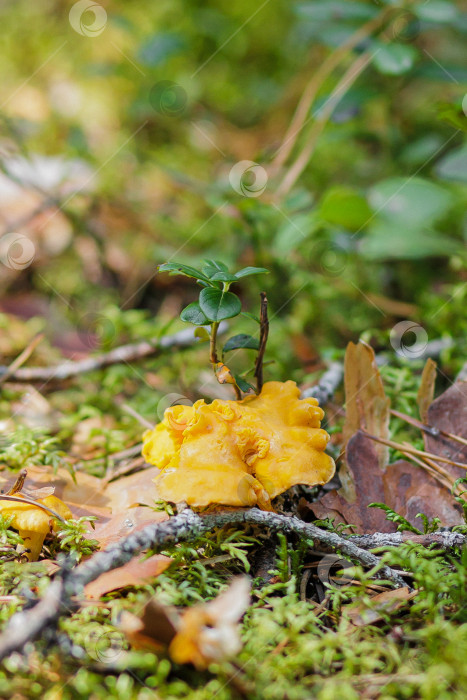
344	206
212	267
242	384
217	304
202	333
179	269
223	277
193	314
243	340
453	166
437	11
393	517
247	314
245	271
394	59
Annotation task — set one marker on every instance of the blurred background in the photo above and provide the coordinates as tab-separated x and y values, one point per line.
324	140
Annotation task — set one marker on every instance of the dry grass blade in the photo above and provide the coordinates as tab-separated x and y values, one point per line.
32	502
414	451
431	430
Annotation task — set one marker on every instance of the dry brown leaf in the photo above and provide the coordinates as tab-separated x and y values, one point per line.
426	390
135	573
125	523
382	603
367	405
83	497
154	630
132	490
405	487
367	479
449	413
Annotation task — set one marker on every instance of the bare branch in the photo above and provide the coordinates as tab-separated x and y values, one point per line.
263	339
125	353
28	625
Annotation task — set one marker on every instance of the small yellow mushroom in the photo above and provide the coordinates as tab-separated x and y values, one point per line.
33	523
240	453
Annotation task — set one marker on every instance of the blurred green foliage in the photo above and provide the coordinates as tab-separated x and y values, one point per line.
165	98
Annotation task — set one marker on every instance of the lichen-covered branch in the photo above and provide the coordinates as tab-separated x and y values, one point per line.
27	625
445	540
327	385
122	354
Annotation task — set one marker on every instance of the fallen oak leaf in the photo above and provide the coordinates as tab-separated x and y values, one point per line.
135	573
135	489
154	629
83	494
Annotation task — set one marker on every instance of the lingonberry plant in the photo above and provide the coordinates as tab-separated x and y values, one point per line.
215	304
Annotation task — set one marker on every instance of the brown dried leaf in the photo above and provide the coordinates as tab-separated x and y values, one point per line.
449	413
367	477
367	406
135	573
426	390
83	497
382	604
132	490
154	630
125	523
403	486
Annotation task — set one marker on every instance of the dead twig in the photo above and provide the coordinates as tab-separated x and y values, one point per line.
263	339
123	354
32	502
22	357
28	625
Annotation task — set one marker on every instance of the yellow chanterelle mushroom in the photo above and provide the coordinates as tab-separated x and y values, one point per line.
240	453
33	523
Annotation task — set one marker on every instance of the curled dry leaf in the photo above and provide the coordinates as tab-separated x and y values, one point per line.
135	573
125	523
381	605
200	635
405	487
366	406
240	453
449	413
426	390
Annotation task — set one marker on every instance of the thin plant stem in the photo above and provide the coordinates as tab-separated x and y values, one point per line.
213	344
299	165
263	339
315	83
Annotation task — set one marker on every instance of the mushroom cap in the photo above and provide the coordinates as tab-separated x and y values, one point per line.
240	453
33	523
